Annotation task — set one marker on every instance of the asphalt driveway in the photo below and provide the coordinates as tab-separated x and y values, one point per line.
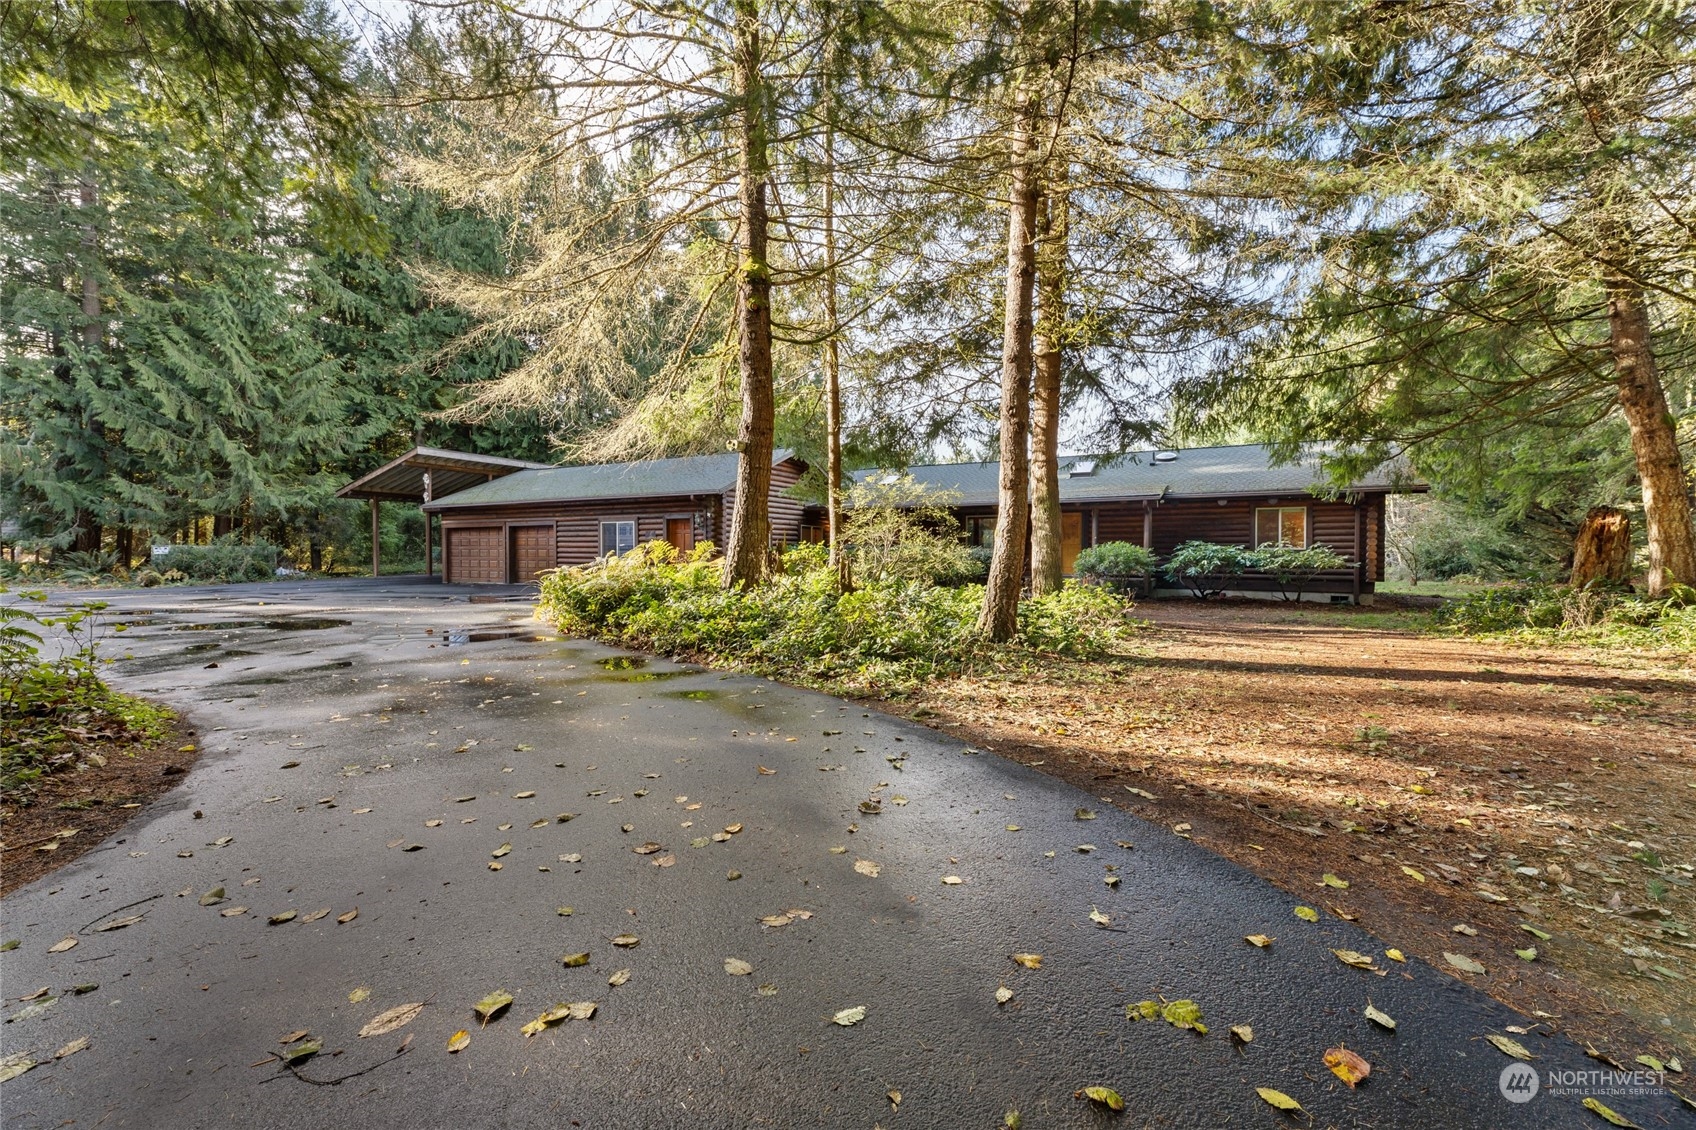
378	746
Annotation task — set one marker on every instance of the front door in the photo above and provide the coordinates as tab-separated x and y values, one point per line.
1071	539
680	532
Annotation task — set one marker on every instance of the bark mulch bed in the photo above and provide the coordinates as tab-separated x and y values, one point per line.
1461	789
69	813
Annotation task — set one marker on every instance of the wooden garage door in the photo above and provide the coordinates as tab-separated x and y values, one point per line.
474	556
532	551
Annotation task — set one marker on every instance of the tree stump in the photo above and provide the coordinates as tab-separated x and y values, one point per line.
1602	549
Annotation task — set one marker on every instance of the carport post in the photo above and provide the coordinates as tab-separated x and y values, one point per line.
374	544
429	547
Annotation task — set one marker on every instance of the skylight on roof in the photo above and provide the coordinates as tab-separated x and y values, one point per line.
1165	457
890	479
1081	468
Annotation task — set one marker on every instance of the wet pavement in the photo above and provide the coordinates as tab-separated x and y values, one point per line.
375	747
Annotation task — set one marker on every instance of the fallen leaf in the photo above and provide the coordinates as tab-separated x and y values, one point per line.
1596	1106
867	868
1540	935
1347	1066
1261	940
1331	880
665	861
459	1041
1106	1096
870	807
15	1065
952	880
767	990
628	941
232	912
775	921
1307	914
1099	918
1144	793
1529	953
1462	962
279	919
736	967
385	1022
118	923
72	1048
1003	995
504	849
344	919
524	795
764	772
1029	960
1278	1099
572	960
212	897
316	915
492	1005
1381	1019
1083	814
303	1050
620	977
1509	1046
583	1010
1354	958
1395	955
850	1016
648	848
358	994
1242	1033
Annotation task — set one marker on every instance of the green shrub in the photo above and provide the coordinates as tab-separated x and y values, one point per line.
1595	614
1112	560
1292	569
896	528
890	634
56	710
1206	568
225	560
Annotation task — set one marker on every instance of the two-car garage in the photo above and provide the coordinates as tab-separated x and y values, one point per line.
497	554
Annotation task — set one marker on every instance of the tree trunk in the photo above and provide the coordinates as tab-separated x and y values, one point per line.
88	526
1047	568
750	526
832	356
1602	549
315	556
1000	618
1654	439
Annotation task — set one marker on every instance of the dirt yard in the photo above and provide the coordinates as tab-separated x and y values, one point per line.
1476	799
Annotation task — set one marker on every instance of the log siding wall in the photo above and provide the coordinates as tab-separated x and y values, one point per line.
577	524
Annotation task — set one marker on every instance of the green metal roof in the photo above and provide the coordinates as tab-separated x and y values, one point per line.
1197	472
652	478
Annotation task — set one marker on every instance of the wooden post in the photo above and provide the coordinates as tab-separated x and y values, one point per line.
1359	551
1148	525
429	547
375	545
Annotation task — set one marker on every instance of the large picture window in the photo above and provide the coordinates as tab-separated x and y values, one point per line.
1280	525
618	537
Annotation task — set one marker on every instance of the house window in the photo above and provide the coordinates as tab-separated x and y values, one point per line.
1280	525
617	537
981	531
815	535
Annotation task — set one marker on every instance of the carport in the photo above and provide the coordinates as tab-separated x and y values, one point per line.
422	475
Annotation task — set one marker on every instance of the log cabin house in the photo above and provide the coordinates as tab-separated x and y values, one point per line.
504	520
1160	499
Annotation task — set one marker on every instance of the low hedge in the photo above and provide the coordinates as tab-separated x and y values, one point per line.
890	634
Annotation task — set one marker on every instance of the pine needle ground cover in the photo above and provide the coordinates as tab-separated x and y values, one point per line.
1526	804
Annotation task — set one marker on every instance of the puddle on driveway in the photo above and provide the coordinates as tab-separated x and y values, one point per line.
454	637
297	624
622	662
